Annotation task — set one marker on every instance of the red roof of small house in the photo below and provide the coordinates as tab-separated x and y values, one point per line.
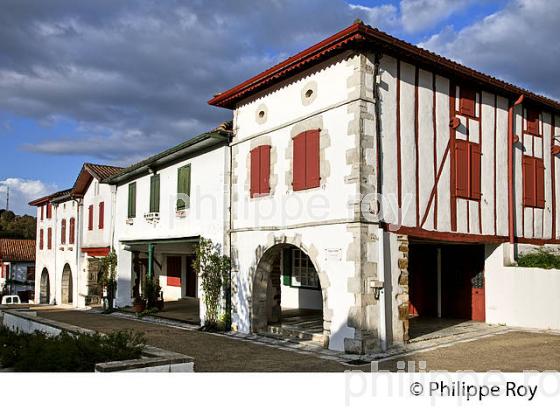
90	171
17	250
359	36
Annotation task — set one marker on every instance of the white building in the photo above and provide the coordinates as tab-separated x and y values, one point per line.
164	205
465	167
73	231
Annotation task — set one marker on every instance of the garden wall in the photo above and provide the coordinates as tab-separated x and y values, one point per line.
525	297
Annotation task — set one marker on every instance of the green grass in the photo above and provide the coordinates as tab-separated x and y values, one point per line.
541	258
66	352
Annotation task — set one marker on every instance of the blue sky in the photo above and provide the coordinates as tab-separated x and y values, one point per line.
102	81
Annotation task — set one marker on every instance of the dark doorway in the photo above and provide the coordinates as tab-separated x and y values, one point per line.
446	281
190	285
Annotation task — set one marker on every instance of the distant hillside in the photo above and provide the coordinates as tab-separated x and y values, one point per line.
16	226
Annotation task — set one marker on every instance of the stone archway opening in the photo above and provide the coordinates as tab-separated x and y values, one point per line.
45	288
288	299
67	286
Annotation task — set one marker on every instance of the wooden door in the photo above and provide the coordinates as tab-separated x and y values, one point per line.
478	299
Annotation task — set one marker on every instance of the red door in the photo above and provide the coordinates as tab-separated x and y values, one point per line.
478	300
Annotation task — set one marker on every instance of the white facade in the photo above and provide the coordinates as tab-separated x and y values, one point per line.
172	232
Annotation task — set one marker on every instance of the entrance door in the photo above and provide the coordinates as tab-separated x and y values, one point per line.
190	288
44	291
67	289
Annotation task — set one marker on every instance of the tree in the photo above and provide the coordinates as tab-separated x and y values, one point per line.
16	226
213	268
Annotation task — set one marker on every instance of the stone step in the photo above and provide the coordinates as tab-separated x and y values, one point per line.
285	332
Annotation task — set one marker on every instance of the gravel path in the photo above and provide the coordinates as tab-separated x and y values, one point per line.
514	351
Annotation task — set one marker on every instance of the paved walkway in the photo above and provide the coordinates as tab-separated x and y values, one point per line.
504	350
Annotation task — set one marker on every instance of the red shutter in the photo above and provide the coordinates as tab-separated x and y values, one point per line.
90	217
264	175
298	182
461	169
101	215
532	122
312	160
475	167
539	182
71	232
255	169
528	181
42	212
49	211
49	238
63	231
41	243
467	102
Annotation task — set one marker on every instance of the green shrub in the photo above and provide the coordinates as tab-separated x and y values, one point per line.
66	352
541	258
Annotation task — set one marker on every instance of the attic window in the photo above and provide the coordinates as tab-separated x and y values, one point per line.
261	114
308	93
467	104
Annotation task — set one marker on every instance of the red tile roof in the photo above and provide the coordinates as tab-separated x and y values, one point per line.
102	171
17	250
360	35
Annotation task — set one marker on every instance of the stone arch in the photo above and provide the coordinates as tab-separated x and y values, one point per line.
45	287
67	290
259	279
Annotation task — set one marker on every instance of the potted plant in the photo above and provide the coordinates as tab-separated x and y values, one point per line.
139	304
152	293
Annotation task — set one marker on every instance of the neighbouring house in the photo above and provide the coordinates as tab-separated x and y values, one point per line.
163	206
17	268
375	183
73	231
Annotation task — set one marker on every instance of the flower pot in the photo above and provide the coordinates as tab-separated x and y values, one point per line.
139	306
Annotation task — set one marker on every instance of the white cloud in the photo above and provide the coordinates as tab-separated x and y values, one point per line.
385	15
516	44
21	192
418	15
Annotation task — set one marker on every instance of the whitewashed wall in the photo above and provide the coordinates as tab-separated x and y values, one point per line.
205	217
526	297
94	195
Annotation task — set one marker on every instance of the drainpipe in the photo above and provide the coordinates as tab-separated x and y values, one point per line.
380	230
54	207
78	246
511	205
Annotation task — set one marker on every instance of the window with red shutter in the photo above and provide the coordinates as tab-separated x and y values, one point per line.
532	126
467	102
42	212
533	182
41	243
306	161
63	232
467	170
101	215
539	183
71	231
462	169
49	238
49	211
260	170
90	218
475	171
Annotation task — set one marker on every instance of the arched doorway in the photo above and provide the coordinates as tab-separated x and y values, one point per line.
67	289
45	288
288	298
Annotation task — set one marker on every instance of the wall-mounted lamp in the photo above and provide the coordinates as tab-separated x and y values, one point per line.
454	123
